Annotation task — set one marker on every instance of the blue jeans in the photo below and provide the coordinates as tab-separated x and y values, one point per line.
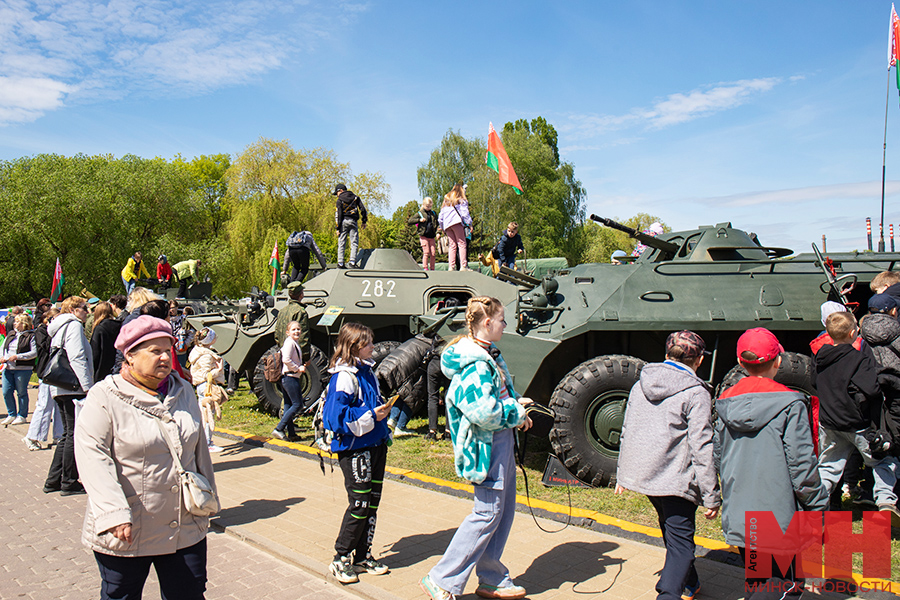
480	539
293	402
15	380
836	447
129	285
181	575
400	414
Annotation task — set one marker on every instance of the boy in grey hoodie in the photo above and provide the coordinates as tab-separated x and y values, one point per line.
666	452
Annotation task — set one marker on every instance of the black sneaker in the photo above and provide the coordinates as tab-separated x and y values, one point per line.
445	435
431	436
49	489
77	491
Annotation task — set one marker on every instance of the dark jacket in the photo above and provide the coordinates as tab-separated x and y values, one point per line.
42	343
764	455
847	382
427	228
126	318
667	438
349	206
103	348
507	246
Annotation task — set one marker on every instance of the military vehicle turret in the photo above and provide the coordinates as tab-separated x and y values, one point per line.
383	294
578	341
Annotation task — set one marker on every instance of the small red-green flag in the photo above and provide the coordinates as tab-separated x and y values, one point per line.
498	160
273	262
894	44
58	281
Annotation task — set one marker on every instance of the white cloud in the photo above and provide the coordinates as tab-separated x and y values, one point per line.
674	109
24	99
867	190
678	108
66	50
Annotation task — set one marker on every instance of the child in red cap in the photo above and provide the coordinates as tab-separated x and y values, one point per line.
764	448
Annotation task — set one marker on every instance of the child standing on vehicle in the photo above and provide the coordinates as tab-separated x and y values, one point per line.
354	412
482	411
764	450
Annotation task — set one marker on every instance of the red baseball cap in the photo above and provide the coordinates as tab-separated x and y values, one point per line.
761	342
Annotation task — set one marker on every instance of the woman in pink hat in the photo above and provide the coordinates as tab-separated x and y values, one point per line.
124	438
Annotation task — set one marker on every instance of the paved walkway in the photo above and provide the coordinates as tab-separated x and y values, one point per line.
282	503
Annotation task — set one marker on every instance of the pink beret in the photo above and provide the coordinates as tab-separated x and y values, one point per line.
142	329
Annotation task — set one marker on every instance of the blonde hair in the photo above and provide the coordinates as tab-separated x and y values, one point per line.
102	311
71	303
455	195
351	339
478	309
427	203
840	325
138	297
884	279
51	312
24	318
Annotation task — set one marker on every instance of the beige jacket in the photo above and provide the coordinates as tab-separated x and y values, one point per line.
125	464
203	362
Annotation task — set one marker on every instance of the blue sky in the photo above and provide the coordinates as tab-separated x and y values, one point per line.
766	114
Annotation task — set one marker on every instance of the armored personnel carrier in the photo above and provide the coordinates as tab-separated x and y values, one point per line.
577	342
383	294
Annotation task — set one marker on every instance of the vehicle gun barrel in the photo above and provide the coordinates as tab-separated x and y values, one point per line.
638	235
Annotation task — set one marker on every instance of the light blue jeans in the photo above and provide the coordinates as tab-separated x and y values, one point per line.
481	538
400	414
40	418
129	285
15	380
349	228
836	447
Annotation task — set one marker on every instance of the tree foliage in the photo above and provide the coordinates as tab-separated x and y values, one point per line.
92	212
274	189
601	242
456	160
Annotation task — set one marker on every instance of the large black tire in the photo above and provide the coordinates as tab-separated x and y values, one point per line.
312	383
796	372
590	409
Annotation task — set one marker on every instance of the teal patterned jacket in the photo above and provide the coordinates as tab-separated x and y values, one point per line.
474	408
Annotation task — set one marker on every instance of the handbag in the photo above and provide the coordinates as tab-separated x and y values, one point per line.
197	494
467	228
59	372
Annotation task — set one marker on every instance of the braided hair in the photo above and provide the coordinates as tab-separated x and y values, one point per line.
478	309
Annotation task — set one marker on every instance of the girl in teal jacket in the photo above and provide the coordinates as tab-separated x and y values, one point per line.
482	411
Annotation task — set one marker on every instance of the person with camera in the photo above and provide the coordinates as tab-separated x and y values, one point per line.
125	444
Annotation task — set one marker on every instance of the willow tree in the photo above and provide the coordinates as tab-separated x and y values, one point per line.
274	189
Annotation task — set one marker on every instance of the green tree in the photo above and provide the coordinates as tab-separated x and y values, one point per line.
601	242
208	173
455	160
92	212
274	189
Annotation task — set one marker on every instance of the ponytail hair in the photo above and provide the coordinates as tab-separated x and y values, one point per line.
351	339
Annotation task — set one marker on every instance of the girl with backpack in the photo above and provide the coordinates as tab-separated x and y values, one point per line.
426	222
354	412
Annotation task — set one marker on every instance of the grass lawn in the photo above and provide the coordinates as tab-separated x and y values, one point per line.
243	413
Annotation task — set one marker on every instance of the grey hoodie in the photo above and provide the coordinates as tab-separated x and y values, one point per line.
764	451
667	438
66	330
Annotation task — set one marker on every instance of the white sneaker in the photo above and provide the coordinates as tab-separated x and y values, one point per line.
279	434
214	448
7	420
19	421
31	444
399	432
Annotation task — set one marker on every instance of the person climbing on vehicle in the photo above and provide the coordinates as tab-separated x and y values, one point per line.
296	257
350	211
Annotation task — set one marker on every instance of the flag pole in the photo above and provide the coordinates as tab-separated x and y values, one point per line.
887	101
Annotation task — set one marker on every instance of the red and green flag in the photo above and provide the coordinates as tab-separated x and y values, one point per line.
894	44
58	281
498	160
273	262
